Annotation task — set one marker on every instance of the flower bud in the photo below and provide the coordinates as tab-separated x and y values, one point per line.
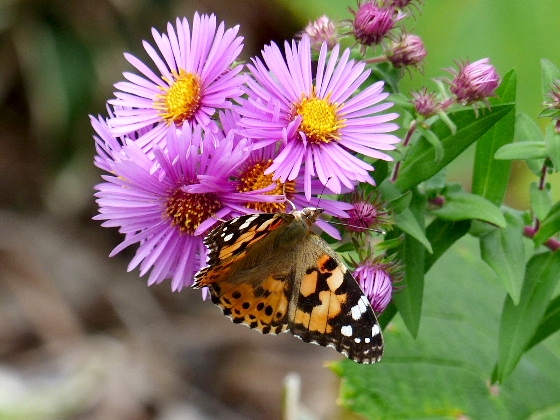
321	30
426	103
474	82
372	23
408	51
376	278
367	213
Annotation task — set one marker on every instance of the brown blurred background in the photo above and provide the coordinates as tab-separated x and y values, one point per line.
79	337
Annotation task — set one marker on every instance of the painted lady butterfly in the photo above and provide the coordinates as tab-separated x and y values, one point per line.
269	271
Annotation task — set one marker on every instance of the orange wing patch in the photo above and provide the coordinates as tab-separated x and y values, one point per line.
318	301
264	307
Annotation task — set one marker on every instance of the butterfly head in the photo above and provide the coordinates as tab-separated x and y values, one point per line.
309	214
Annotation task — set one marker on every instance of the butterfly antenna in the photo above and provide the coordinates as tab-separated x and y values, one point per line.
381	231
322	192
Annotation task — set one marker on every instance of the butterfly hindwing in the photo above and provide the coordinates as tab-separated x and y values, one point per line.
247	293
264	306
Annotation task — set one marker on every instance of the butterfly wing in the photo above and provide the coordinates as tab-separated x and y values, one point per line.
244	278
329	308
264	271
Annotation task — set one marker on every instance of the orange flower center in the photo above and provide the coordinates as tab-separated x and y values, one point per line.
188	211
254	178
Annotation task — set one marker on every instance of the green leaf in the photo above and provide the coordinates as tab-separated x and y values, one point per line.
434	141
408	299
541	202
549	74
549	226
419	163
504	251
401	203
552	141
442	234
519	322
404	220
387	315
527	130
465	206
491	176
387	244
550	113
549	324
347	247
522	151
381	171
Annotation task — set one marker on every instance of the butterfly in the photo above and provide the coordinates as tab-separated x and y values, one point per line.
270	272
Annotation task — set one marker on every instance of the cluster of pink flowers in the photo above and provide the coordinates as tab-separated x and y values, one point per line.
196	138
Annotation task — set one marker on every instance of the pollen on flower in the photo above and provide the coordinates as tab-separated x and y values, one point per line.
181	100
188	211
320	121
253	178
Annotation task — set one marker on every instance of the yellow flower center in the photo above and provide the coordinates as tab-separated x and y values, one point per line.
181	99
320	121
254	178
188	211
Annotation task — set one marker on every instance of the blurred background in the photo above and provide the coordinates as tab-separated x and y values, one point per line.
82	339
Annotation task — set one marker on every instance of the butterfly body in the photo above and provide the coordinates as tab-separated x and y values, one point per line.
272	273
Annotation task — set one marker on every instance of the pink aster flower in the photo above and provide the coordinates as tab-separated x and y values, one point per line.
320	118
251	176
109	147
426	103
168	203
195	76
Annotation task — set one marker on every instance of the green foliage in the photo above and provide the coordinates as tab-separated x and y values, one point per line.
421	163
503	250
445	372
519	322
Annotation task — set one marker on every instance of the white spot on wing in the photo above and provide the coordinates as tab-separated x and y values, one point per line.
360	308
346	330
357	340
367	340
228	237
248	222
363	303
375	330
